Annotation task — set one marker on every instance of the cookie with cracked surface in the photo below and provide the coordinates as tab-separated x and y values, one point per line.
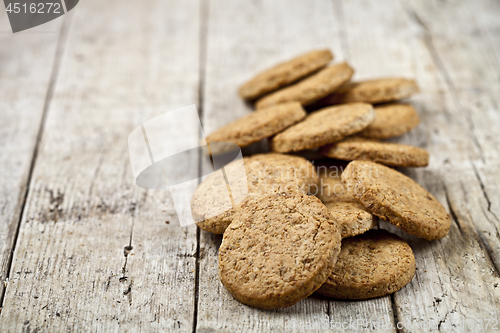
324	126
373	91
396	198
374	264
352	217
211	204
278	250
285	73
256	126
311	88
392	120
392	154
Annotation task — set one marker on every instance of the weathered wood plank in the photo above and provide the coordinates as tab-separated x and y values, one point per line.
455	278
264	33
94	250
26	66
467	54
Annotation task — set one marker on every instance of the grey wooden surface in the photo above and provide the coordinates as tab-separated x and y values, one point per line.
83	249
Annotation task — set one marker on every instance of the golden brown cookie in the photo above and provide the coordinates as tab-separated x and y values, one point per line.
285	73
324	126
278	250
371	265
256	126
392	154
396	198
311	88
392	120
265	174
352	217
373	91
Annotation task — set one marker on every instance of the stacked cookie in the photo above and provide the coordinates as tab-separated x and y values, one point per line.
283	242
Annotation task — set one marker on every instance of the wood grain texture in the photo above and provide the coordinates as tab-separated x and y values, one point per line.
457	277
264	34
26	66
95	252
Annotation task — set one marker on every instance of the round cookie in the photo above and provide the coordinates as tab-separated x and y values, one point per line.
265	173
278	250
392	120
324	126
392	154
396	198
256	126
311	88
373	91
352	217
371	265
285	73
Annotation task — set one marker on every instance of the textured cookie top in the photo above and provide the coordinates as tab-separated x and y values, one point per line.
256	126
393	154
352	217
311	88
324	126
396	198
278	250
374	264
285	73
373	91
392	120
265	174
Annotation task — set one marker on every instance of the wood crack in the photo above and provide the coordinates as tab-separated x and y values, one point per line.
452	210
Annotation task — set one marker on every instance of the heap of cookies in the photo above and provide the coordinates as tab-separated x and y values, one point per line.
302	229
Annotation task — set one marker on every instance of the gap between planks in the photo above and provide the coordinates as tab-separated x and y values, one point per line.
61	45
201	77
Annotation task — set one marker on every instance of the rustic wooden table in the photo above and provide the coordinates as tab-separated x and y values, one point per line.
82	248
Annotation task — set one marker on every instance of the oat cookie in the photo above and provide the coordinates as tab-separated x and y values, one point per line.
396	198
285	73
266	173
352	217
311	88
278	250
373	91
256	126
392	154
392	120
324	126
371	265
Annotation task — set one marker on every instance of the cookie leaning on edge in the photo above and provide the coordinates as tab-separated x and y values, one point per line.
256	126
392	120
392	154
324	126
374	264
278	250
396	198
373	91
311	88
352	217
285	73
265	173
